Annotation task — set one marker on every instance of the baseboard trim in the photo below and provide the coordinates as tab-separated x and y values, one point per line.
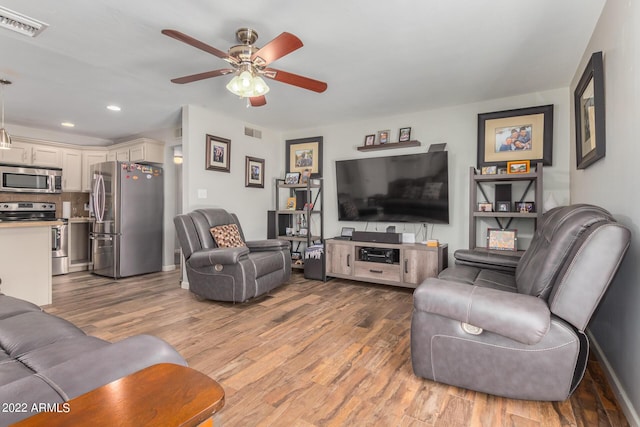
170	267
184	284
625	404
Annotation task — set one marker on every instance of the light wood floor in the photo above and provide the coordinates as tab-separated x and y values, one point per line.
310	354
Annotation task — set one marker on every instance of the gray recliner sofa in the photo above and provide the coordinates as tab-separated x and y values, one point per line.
520	334
44	359
233	274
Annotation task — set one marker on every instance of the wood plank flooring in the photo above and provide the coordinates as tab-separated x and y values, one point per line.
310	354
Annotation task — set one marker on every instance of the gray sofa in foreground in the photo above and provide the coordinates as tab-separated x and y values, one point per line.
44	359
520	334
233	274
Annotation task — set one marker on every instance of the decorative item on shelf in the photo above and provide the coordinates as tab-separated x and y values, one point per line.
590	114
303	232
525	207
308	206
485	207
291	203
502	240
383	136
489	170
304	176
520	166
432	243
502	171
369	140
521	134
296	256
503	206
292	178
254	172
304	153
218	152
289	231
404	135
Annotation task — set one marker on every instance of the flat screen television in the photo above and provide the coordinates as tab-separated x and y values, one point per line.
408	188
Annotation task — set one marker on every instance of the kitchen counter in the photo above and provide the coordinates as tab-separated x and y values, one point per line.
21	224
81	219
25	260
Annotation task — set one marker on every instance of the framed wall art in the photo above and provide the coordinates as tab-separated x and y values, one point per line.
369	140
383	136
502	240
521	166
254	172
292	178
404	135
218	154
304	153
521	134
589	113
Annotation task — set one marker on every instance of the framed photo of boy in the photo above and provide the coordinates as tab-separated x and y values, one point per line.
218	154
520	134
254	172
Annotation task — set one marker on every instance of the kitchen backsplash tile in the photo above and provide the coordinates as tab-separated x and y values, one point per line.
77	200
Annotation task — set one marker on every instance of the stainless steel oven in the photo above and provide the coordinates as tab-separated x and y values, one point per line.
18	179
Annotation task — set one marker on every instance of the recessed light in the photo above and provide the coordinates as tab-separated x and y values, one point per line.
67	124
113	108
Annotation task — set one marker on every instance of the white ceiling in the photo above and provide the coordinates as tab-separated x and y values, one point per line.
378	58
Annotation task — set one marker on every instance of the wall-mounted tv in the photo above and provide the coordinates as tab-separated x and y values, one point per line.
408	188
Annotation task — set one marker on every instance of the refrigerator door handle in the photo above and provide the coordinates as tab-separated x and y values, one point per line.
99	197
93	237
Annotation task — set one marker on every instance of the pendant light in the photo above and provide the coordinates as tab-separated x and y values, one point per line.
5	139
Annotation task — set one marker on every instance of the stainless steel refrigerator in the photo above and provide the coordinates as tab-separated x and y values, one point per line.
127	201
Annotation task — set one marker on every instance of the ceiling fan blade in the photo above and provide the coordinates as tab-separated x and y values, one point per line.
294	79
202	76
258	101
282	45
198	44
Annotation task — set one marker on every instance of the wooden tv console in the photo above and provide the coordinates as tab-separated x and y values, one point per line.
412	262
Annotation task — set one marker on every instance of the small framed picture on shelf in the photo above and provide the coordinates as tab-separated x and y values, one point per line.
520	166
502	240
369	140
404	135
485	207
292	178
291	204
303	232
503	206
296	256
489	170
525	207
502	171
304	176
383	136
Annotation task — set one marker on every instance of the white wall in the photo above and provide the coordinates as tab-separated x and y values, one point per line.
227	190
457	126
612	183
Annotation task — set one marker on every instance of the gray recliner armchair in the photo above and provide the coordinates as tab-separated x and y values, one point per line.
520	334
233	274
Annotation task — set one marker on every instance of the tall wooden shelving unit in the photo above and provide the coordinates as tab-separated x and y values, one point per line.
477	183
315	234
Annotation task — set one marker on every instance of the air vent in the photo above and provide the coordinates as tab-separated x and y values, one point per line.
253	132
19	23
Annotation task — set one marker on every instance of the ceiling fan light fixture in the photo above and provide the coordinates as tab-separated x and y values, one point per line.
247	85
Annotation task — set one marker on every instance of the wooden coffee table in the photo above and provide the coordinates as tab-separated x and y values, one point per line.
163	394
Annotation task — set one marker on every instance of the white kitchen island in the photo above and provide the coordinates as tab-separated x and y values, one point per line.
25	260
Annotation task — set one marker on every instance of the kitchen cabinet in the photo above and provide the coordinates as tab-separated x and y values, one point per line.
26	153
119	155
90	158
340	257
71	170
142	150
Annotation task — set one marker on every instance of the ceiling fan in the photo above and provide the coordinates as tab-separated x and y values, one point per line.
250	64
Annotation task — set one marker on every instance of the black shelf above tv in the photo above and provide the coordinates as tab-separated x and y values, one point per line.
389	145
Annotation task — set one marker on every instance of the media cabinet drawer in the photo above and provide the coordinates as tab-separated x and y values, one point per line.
377	270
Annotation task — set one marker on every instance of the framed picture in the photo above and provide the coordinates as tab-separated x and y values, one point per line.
292	178
502	171
383	136
304	153
218	154
489	170
369	140
485	207
503	206
589	113
404	135
521	134
253	172
525	207
304	176
303	232
502	240
291	203
522	166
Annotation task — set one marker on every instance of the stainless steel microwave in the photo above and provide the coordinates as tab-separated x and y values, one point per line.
19	179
